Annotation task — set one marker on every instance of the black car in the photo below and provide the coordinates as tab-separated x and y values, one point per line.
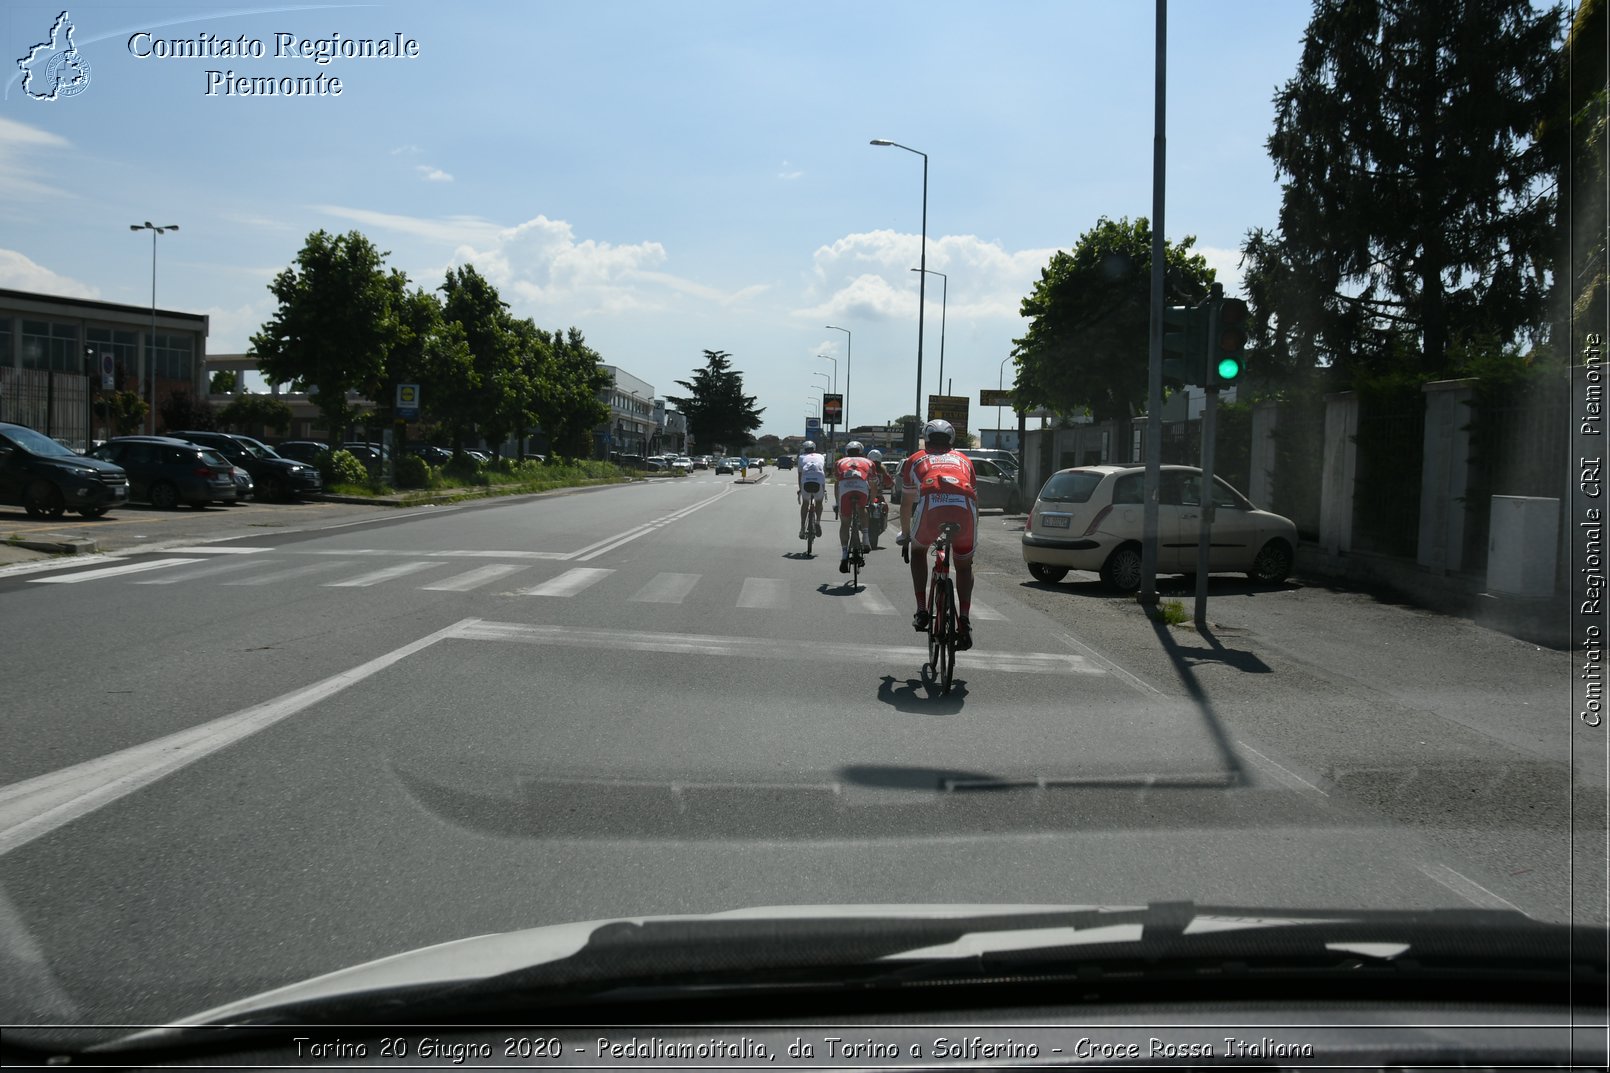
166	472
301	450
275	477
785	461
436	456
48	480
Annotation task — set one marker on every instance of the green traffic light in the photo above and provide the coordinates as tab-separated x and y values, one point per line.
1229	369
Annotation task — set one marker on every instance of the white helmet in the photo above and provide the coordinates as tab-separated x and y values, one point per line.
809	446
875	454
853	448
939	430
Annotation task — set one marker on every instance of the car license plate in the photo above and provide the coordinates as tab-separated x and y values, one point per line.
1055	521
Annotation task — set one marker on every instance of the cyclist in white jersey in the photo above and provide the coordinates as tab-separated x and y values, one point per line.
811	475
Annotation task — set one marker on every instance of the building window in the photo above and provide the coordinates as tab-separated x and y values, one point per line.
123	346
8	354
175	357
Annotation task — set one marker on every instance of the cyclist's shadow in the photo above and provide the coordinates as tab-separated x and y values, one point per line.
843	588
921	696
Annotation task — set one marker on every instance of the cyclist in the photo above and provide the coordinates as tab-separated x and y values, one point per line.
853	474
883	483
811	476
937	486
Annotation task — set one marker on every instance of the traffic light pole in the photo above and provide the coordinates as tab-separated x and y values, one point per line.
1210	411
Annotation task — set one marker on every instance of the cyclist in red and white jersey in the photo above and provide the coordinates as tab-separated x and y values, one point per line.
853	475
937	485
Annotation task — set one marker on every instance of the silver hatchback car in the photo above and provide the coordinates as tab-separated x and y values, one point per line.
1091	518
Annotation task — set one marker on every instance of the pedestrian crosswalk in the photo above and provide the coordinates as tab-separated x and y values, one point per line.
443	572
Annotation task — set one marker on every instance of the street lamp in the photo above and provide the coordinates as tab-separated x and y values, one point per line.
1000	385
922	284
848	339
944	293
151	345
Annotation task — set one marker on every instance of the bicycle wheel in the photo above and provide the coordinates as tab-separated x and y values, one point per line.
933	627
947	645
810	533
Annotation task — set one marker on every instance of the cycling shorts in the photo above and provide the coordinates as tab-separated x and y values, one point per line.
810	491
853	493
932	511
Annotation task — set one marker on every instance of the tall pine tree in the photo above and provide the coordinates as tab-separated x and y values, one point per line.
718	411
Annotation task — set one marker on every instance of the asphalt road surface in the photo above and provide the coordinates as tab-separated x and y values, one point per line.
239	763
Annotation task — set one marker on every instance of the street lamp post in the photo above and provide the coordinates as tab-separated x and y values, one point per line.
834	389
1000	385
151	345
922	280
944	296
848	356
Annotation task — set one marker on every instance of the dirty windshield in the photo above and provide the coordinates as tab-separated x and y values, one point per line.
548	615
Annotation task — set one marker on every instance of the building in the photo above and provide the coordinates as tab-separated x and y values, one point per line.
630	428
58	354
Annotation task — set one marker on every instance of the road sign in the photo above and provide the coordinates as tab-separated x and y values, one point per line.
952	408
832	409
108	372
991	397
813	428
408	401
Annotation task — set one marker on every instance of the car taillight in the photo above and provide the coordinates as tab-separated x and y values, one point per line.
1101	516
1028	523
203	471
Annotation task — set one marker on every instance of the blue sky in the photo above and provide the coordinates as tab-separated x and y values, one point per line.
668	177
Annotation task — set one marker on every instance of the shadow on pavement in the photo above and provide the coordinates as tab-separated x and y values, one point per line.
921	696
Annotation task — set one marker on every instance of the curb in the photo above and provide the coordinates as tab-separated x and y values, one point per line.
64	546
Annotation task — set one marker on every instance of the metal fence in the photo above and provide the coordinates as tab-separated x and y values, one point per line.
56	404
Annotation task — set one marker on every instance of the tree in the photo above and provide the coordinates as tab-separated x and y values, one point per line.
335	324
1574	138
250	413
434	354
496	391
223	382
717	409
124	410
182	410
569	406
1090	320
1417	207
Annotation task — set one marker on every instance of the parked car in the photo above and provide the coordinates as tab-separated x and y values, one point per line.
1004	459
892	468
372	455
245	487
435	456
683	464
301	450
997	487
275	477
1091	518
165	471
48	480
727	465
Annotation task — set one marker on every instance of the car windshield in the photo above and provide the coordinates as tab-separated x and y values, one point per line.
1277	583
34	443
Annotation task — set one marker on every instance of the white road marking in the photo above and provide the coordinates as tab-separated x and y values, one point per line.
1145	689
1466	887
695	644
375	577
464	554
208	571
293	572
764	592
474	579
666	589
216	549
39	805
70	562
569	583
111	571
985	613
1285	775
869	601
594	551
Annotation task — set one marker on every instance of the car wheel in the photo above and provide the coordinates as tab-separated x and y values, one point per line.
1273	564
93	512
277	489
1122	570
44	501
164	496
1048	574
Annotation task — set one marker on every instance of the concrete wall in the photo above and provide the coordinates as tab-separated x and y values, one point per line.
1445	474
1336	495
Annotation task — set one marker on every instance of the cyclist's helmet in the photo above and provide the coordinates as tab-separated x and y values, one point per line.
808	447
875	455
854	448
938	434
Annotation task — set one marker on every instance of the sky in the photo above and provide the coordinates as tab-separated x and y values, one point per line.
668	177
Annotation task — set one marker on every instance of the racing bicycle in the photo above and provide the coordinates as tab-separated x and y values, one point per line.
858	544
944	625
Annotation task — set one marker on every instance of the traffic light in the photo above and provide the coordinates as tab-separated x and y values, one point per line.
1228	356
1185	337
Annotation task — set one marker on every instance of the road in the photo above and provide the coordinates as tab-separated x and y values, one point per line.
234	764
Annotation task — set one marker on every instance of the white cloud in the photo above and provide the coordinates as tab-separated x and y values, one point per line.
407	150
1227	265
18	177
789	171
451	229
433	175
229	331
870	275
19	273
